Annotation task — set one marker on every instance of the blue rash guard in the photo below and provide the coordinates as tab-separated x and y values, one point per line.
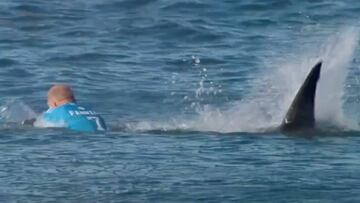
74	117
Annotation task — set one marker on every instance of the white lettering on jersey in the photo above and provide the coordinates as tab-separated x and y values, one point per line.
81	113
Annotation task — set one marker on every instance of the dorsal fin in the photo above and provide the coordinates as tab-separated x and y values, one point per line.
301	114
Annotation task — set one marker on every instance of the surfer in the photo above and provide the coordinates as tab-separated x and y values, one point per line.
65	112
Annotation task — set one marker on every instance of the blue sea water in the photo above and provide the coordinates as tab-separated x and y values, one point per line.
190	90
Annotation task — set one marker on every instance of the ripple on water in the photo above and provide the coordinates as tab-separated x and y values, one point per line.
124	5
7	62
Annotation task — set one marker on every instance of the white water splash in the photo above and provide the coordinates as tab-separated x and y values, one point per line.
274	91
16	111
41	123
337	56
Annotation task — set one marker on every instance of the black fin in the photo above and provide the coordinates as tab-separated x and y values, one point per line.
301	113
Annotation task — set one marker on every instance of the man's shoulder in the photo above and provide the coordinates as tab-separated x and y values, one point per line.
60	110
75	106
55	110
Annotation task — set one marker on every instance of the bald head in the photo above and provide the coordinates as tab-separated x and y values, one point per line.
59	95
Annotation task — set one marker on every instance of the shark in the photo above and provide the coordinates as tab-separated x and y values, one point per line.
301	113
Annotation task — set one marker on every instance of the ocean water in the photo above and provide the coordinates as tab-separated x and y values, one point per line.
191	92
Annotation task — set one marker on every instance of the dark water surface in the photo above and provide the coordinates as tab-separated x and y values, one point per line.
129	167
188	89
